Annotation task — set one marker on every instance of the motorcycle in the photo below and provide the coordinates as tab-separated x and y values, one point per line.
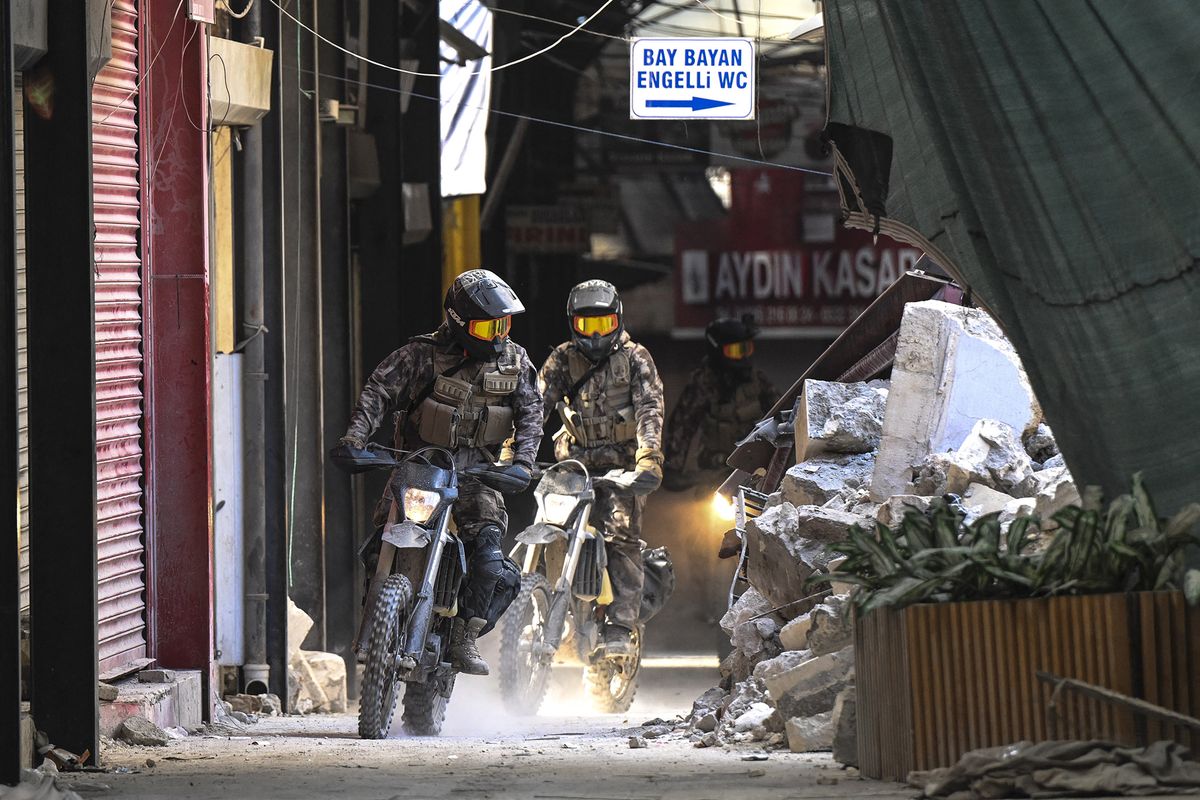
404	636
566	619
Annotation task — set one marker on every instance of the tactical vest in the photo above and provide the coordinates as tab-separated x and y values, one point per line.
605	416
728	422
468	409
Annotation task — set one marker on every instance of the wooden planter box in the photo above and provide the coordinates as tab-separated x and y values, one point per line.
937	680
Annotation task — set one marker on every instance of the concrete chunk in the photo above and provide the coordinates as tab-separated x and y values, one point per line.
794	635
818	480
786	545
838	418
810	676
980	500
832	626
107	692
810	734
953	368
845	728
141	731
156	676
892	510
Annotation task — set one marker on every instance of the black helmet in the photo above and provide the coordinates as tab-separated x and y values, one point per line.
731	342
594	314
481	296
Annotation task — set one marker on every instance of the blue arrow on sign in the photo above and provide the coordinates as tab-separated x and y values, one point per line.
695	104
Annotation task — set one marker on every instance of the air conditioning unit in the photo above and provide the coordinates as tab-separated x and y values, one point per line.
239	82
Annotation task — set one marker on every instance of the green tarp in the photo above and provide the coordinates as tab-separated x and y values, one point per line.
1048	154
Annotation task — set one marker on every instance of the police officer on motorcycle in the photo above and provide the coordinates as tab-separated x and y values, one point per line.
722	401
467	387
609	398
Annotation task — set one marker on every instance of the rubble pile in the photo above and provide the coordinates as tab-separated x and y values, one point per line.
957	417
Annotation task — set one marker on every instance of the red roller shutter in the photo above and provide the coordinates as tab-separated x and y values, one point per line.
121	569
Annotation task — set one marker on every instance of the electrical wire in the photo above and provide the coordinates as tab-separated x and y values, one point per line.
493	68
577	128
236	15
149	67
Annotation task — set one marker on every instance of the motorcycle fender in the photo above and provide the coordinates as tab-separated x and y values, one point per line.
541	533
407	534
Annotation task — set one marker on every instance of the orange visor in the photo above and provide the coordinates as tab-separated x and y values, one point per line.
603	325
488	329
738	350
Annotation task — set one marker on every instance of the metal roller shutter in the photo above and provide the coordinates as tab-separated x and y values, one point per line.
116	178
22	350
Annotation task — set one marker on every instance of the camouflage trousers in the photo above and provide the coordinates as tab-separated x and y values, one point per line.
618	514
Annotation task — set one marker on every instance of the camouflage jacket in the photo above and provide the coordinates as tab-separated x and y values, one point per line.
646	397
402	376
721	410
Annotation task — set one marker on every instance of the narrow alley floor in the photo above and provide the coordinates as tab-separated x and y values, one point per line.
566	753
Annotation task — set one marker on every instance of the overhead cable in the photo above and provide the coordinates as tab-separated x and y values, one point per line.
480	70
578	128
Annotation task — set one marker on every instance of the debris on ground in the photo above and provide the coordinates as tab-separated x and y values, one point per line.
37	784
1061	769
958	417
142	732
316	680
637	742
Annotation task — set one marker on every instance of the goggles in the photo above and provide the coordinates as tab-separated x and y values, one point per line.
488	329
603	325
738	350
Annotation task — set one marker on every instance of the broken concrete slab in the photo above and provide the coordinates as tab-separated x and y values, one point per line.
832	626
1021	507
833	417
142	732
1054	461
755	716
845	728
741	622
1039	443
980	500
1056	491
818	480
322	681
892	510
953	367
808	678
810	734
107	692
785	545
168	705
994	451
794	635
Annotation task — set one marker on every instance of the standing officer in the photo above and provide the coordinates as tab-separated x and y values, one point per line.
469	388
722	401
609	397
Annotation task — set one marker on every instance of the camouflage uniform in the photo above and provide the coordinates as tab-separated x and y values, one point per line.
721	406
401	377
629	381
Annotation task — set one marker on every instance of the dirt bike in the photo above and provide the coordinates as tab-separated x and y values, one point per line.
566	618
404	636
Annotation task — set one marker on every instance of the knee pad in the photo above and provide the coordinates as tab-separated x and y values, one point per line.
488	537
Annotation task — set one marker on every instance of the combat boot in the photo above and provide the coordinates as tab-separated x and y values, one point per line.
617	640
464	653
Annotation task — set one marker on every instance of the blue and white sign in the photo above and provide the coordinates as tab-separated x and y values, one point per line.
692	78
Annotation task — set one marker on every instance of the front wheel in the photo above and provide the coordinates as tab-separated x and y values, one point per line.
377	696
524	662
425	705
611	683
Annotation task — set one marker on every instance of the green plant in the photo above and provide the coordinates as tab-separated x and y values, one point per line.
936	557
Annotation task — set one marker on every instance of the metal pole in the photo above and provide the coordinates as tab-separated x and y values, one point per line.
256	671
10	569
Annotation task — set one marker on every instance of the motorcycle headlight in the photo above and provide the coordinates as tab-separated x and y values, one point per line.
557	508
419	504
723	508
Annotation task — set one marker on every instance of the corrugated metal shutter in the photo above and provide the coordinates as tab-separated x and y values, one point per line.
22	350
116	178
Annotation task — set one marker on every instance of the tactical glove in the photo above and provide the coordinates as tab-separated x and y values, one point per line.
352	441
649	471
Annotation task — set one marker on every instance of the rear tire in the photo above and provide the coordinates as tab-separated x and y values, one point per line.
611	683
377	695
425	705
524	674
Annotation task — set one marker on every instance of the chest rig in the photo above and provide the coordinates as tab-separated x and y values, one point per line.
601	412
471	407
729	421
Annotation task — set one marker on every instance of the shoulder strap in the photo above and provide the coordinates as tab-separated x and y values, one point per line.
420	396
569	396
